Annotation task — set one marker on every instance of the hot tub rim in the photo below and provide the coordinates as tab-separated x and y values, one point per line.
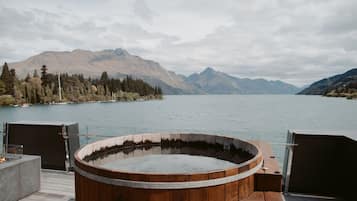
175	177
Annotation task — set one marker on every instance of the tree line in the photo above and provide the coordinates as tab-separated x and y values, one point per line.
47	87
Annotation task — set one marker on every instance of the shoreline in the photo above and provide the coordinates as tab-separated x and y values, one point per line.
349	96
101	100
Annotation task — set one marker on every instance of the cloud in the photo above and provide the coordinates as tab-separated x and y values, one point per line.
298	41
34	31
141	9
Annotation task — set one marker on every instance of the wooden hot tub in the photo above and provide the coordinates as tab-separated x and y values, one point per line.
230	178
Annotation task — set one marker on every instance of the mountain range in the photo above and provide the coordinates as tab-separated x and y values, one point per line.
339	85
214	82
119	63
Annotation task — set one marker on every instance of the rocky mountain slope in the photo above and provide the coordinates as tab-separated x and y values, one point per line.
115	62
214	82
119	63
339	85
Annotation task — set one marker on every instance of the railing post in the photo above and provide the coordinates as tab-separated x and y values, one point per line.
64	135
87	136
289	151
5	137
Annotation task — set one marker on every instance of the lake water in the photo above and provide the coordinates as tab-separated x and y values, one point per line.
262	117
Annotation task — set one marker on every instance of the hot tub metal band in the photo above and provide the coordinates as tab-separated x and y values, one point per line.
168	185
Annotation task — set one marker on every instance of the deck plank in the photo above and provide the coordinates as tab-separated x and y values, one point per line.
256	196
55	186
273	196
265	196
268	178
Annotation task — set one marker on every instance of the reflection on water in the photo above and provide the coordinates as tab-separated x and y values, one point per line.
169	156
167	164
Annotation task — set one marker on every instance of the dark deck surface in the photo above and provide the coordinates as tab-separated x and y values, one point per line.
307	198
265	196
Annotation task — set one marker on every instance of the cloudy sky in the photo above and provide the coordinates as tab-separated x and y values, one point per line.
296	41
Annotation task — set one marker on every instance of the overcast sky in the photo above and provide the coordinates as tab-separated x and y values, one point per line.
296	41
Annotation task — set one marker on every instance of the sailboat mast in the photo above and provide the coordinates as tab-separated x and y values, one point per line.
59	87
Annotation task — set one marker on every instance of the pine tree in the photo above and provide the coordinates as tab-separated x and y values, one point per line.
28	77
35	74
159	91
104	80
104	77
13	73
8	77
2	88
44	75
11	84
74	87
5	75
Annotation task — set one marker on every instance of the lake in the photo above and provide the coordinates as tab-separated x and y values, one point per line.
262	117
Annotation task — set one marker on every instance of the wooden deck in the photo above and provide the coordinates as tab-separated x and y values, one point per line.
59	186
265	196
55	186
270	177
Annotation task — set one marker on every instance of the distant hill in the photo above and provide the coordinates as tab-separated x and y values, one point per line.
339	85
115	62
214	82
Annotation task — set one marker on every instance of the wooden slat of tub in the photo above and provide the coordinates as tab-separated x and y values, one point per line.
160	195
198	177
243	188
216	193
129	194
105	192
243	168
231	172
91	191
180	195
77	181
251	184
231	190
215	175
198	194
